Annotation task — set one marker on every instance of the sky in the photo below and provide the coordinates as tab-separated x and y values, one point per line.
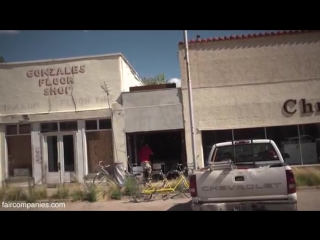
149	51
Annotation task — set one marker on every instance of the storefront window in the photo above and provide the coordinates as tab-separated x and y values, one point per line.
287	140
249	133
18	139
310	143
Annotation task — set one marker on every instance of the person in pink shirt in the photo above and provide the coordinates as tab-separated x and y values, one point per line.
144	156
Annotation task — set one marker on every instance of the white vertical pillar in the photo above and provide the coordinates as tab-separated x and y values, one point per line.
81	164
119	135
37	154
2	153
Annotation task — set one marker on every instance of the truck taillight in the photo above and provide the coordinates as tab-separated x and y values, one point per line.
291	182
193	186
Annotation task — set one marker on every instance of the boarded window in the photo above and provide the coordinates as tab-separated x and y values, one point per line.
19	153
99	148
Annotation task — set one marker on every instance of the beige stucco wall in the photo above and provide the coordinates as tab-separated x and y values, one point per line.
244	83
20	94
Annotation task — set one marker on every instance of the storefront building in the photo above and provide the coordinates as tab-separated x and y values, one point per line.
255	86
59	118
153	116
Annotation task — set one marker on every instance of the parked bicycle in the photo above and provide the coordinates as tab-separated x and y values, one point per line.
102	177
146	189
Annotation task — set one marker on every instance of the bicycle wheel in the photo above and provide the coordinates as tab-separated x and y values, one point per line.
142	192
101	179
184	188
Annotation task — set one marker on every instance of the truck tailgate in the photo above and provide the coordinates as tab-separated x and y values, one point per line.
242	184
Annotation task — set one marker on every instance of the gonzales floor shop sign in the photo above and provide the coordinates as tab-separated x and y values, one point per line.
56	81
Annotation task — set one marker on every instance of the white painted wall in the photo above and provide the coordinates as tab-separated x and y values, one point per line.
129	77
2	152
37	154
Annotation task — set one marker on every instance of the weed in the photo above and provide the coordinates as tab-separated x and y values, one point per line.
91	193
129	184
15	194
39	194
307	176
77	195
2	193
113	190
87	192
62	193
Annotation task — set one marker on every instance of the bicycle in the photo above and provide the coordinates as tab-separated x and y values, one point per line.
145	190
102	175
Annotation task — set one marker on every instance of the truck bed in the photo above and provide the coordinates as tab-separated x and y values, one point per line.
248	173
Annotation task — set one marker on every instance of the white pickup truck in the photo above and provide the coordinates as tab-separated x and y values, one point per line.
246	175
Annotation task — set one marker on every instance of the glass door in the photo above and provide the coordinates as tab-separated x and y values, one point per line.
67	157
60	157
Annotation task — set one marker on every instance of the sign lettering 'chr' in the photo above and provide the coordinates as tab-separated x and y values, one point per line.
290	106
57	81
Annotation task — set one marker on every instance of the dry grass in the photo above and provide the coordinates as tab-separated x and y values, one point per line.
91	193
30	194
307	176
62	193
77	192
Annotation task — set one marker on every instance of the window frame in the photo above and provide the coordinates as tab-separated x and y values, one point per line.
18	130
98	125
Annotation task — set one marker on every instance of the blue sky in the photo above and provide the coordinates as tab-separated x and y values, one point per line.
150	52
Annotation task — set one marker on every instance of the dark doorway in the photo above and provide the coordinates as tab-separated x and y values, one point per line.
68	151
168	147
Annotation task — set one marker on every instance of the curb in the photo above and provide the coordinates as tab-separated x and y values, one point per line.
307	188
